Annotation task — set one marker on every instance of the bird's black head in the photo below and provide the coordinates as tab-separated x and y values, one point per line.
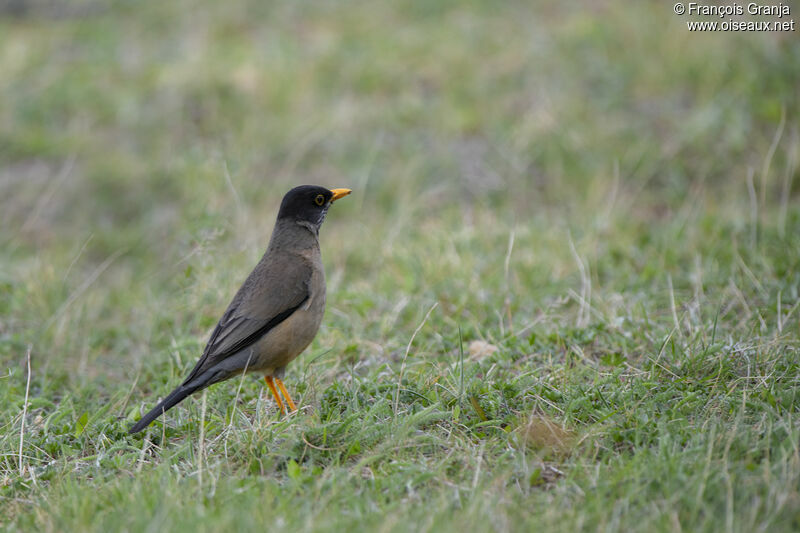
309	203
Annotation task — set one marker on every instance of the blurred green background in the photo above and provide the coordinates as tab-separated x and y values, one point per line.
586	186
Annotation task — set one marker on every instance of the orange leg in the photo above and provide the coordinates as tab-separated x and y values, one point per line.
271	385
289	401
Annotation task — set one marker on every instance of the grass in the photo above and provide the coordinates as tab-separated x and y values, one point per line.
563	295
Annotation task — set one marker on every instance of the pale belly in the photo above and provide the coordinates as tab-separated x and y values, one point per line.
288	339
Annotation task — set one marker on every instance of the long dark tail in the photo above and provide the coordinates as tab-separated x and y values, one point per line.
173	399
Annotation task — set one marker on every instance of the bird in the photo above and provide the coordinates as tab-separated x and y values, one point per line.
277	311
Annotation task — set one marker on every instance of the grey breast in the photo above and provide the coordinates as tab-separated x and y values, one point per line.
288	339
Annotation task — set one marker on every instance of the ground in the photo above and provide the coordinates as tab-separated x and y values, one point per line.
563	294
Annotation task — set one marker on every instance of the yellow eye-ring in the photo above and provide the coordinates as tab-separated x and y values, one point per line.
319	200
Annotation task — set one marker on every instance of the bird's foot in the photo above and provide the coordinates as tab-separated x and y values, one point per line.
289	401
271	382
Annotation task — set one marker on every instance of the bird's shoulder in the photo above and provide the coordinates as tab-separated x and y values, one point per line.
281	280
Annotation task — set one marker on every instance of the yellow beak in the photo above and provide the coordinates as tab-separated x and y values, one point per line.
339	193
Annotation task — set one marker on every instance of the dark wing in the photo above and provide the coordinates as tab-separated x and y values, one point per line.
276	288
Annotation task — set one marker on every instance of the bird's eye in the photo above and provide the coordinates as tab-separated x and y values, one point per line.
319	200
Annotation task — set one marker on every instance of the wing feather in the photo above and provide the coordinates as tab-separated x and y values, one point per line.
269	295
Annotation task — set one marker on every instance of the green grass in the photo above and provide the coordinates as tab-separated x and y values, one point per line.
610	203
